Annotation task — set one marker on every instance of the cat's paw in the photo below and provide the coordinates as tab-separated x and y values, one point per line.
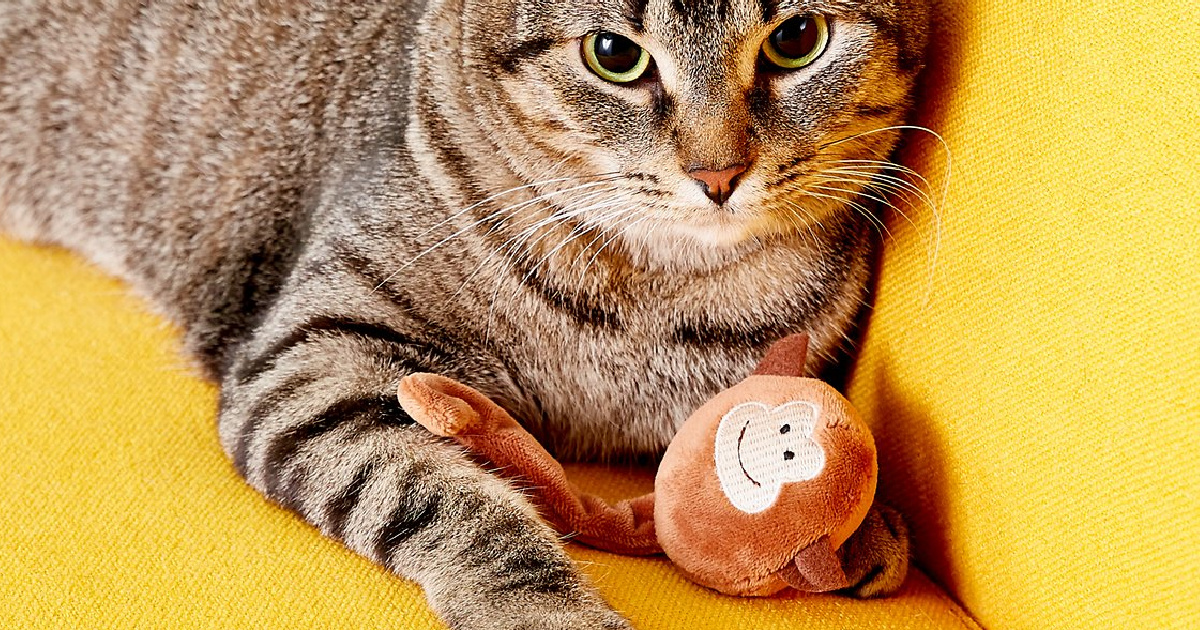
586	620
521	612
876	556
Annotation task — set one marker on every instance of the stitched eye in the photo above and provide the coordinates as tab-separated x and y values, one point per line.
797	42
788	456
615	58
785	429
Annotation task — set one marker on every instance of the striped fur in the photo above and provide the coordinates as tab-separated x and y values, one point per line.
327	195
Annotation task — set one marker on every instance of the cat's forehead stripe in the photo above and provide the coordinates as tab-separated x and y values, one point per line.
697	11
635	12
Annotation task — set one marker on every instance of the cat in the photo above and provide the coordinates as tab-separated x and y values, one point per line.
597	212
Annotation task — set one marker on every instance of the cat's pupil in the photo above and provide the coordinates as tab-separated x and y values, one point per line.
617	54
797	37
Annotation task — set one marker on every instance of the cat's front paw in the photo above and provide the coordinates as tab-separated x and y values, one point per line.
876	556
519	611
578	620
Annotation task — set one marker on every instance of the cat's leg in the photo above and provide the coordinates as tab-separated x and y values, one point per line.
312	421
876	557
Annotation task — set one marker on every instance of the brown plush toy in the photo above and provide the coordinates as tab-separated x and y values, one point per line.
756	492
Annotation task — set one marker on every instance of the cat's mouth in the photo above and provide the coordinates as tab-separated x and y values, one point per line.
688	246
721	231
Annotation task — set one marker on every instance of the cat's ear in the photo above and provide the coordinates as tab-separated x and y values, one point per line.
449	408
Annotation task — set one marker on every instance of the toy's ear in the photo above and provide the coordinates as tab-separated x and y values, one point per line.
447	407
785	357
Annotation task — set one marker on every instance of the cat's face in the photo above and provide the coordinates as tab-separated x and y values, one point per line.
693	125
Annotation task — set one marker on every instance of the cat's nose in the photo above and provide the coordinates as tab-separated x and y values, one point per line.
718	184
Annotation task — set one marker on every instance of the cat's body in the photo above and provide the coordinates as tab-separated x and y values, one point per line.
323	215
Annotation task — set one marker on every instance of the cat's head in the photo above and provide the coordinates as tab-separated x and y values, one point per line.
693	126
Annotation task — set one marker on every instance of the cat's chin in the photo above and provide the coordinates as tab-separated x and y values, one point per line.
682	247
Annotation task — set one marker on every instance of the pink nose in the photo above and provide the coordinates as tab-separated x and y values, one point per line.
718	185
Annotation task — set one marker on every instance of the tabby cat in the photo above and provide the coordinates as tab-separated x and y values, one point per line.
598	212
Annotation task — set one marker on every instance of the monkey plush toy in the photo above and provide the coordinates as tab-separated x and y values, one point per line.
755	494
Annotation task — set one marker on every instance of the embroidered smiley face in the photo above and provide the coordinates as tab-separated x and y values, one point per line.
759	448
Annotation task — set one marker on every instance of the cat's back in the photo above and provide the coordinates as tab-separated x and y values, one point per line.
172	116
108	105
175	142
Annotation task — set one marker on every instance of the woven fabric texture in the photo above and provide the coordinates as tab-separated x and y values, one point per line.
1036	399
1034	395
120	511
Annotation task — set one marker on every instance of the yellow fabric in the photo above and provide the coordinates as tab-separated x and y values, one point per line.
1037	405
120	511
1035	401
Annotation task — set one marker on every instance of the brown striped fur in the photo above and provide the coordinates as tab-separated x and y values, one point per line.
327	195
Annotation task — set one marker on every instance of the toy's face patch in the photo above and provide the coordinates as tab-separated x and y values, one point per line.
759	448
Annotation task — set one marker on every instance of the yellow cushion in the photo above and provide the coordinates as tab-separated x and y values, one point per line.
1037	403
119	509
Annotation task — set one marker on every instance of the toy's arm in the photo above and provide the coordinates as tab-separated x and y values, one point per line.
450	409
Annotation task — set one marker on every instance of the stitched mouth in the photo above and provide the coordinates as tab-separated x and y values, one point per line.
741	436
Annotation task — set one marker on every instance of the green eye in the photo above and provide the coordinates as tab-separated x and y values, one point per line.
797	42
615	58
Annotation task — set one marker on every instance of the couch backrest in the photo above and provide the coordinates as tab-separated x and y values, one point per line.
1037	399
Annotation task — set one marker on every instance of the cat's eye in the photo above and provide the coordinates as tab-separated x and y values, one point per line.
615	58
797	42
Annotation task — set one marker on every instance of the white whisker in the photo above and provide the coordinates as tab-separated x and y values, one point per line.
863	210
521	242
613	238
509	191
891	183
806	221
936	209
608	203
486	218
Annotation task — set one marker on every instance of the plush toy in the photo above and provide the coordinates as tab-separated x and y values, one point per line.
757	491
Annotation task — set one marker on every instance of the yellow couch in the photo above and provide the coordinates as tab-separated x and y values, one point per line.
1035	397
